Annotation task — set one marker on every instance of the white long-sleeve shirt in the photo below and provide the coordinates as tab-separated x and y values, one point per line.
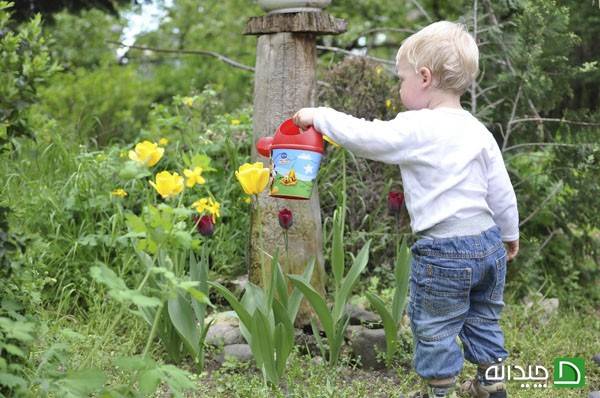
451	165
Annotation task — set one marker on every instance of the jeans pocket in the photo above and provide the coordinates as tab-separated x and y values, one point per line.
497	293
446	289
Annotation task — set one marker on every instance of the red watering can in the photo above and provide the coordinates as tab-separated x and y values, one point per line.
295	160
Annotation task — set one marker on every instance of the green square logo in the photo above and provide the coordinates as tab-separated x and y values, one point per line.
569	372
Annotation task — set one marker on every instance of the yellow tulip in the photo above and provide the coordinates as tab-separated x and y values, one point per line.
119	192
253	177
147	153
167	184
193	177
235	122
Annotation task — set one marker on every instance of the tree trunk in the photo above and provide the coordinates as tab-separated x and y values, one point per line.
285	82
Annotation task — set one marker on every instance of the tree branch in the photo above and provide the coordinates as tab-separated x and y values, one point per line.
554	192
220	57
556	120
548	144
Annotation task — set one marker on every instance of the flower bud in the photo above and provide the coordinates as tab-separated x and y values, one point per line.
204	225
395	202
286	218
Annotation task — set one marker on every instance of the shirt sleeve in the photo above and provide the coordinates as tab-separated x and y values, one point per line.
501	196
384	141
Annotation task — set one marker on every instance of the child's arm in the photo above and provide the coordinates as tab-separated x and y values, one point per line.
502	199
385	141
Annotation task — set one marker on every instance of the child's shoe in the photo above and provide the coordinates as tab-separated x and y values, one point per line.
476	389
435	392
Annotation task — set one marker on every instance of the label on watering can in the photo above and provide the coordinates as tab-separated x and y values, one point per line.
294	172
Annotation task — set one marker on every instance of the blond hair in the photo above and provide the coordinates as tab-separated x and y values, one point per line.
448	50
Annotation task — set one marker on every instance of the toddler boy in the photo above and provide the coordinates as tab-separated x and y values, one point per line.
460	200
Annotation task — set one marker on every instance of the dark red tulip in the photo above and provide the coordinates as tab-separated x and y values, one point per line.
285	218
204	225
395	202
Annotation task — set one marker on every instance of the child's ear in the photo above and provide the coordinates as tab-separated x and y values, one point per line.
425	76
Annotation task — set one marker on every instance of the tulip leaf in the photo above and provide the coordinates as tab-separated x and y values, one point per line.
239	309
337	253
317	303
350	279
263	338
296	297
389	324
183	318
401	274
280	283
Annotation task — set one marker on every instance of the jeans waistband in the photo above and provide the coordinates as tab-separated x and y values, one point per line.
459	227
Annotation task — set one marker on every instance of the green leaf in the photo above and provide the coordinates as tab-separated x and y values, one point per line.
183	318
14	350
402	275
296	296
199	273
11	381
317	302
148	381
135	223
263	338
341	296
239	309
337	252
390	325
280	284
118	290
84	382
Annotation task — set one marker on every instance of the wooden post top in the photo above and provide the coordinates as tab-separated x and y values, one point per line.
319	22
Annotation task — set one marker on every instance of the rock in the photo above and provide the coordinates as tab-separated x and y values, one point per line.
351	330
223	334
307	343
367	344
359	316
236	352
317	360
596	359
239	284
225	317
546	308
594	394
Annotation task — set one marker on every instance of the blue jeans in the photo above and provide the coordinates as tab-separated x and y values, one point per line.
456	289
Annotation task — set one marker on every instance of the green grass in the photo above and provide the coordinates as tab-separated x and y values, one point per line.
529	342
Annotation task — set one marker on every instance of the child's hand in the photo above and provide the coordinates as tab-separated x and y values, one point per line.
512	249
304	118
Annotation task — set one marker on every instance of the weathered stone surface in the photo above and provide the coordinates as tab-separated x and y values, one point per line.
594	394
359	315
238	352
297	22
366	344
223	334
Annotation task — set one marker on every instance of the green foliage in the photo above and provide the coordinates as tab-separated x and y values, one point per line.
98	107
335	321
391	319
80	40
267	319
25	63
